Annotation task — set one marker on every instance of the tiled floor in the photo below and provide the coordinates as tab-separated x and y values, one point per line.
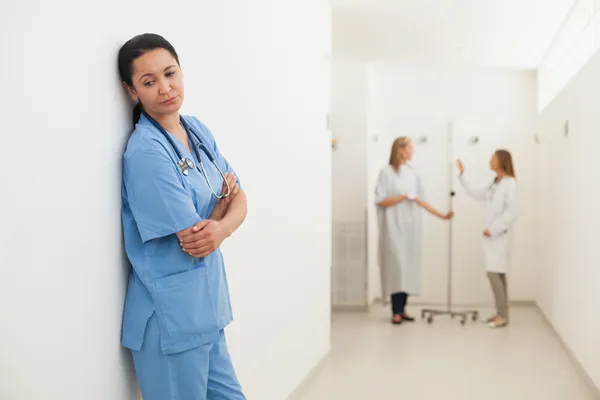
372	359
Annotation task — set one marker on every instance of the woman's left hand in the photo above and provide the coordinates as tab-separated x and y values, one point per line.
203	240
222	204
448	216
487	233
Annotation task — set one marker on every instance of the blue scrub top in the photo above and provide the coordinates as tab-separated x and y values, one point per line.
189	295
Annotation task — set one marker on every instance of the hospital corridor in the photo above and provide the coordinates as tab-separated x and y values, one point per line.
372	359
300	200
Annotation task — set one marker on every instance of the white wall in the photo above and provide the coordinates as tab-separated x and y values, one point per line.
349	176
256	73
497	105
349	127
569	274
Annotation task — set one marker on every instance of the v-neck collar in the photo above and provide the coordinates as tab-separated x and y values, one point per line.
181	148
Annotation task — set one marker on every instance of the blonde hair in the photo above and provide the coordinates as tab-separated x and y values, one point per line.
395	158
506	162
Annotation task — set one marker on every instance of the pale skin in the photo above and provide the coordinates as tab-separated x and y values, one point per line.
500	173
158	84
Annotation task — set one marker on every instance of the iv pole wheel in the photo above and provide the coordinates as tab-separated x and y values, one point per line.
430	319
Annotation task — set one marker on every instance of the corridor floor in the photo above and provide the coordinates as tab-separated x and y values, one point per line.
372	359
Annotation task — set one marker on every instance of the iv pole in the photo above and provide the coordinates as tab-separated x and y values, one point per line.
431	313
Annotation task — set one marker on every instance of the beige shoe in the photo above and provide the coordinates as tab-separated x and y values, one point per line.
498	322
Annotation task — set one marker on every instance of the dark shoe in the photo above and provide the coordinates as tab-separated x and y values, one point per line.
407	318
397	319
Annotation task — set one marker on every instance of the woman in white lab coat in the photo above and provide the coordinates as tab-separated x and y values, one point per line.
500	197
399	198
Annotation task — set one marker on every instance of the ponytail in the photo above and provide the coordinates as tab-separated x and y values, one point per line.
137	113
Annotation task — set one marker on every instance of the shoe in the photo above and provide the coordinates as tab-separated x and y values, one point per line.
407	318
396	320
490	319
498	322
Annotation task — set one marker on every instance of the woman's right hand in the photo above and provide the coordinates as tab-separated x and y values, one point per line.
460	166
203	238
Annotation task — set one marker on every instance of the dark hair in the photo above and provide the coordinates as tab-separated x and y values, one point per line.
133	49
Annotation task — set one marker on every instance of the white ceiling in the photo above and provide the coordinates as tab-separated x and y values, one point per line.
501	33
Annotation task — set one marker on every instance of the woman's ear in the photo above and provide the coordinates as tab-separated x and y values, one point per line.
131	92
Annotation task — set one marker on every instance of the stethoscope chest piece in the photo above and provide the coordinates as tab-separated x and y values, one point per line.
183	166
190	164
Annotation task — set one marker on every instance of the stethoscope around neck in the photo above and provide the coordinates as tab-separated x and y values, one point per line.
185	164
491	189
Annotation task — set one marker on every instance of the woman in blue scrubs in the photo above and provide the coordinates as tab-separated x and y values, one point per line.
177	304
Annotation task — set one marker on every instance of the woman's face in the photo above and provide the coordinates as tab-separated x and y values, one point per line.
157	82
494	163
406	152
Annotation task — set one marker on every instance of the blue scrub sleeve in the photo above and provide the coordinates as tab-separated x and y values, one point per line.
160	204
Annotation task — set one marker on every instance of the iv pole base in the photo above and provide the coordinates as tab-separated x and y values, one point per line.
464	315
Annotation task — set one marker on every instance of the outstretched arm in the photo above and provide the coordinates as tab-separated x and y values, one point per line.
432	210
477	192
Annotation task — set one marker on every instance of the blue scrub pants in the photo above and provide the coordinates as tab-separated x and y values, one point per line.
202	373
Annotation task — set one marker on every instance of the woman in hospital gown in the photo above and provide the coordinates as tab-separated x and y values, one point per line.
500	198
399	199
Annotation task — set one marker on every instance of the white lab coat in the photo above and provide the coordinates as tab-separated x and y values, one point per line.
399	231
501	208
